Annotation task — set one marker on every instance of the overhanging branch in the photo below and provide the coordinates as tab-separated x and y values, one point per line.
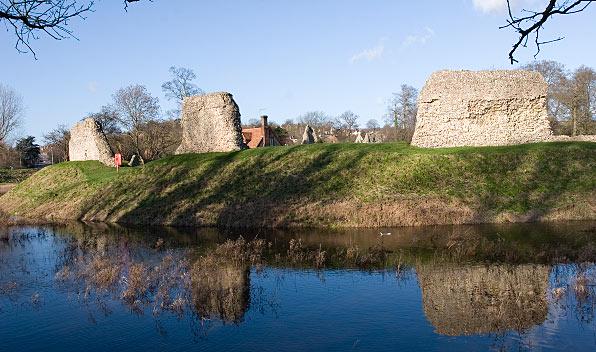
531	23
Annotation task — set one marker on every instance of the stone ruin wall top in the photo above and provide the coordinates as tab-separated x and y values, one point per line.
88	142
468	108
210	123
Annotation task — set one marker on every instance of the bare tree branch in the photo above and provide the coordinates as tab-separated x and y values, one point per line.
533	21
11	110
29	19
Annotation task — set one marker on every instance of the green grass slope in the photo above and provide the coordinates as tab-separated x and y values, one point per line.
323	185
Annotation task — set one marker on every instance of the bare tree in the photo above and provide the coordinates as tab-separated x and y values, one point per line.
253	123
402	110
555	75
11	111
160	138
531	22
29	19
314	119
349	120
180	86
373	124
135	107
581	99
571	97
108	119
56	142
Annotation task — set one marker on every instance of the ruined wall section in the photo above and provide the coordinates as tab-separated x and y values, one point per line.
210	123
88	142
484	108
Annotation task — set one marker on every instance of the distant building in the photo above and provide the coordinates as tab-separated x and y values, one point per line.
262	136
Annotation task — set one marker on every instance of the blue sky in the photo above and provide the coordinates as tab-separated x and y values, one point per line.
279	57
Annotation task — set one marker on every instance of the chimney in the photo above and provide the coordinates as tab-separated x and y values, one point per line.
264	130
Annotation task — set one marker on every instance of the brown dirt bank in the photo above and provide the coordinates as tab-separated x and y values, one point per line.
5	187
411	212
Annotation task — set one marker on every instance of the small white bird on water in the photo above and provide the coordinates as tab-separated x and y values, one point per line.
385	234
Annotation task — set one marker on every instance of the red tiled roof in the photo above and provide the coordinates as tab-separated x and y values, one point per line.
253	137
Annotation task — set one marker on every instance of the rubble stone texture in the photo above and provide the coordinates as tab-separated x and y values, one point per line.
483	108
365	138
359	138
210	123
88	142
309	136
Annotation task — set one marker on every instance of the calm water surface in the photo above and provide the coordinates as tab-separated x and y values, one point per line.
109	288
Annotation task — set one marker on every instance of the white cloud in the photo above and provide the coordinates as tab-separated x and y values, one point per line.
420	39
92	87
490	6
370	54
499	6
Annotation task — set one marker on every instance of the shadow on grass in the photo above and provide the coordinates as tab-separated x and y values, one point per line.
182	195
267	187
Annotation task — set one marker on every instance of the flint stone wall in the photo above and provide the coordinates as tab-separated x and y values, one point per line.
483	108
309	136
88	142
210	123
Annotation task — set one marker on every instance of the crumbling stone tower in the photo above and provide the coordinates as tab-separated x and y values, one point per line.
88	142
210	123
483	108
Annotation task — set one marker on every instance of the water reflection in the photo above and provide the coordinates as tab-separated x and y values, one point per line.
473	280
469	300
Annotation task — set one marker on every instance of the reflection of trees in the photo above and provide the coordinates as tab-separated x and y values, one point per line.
142	277
483	299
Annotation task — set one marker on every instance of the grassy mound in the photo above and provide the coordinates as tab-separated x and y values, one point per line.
323	185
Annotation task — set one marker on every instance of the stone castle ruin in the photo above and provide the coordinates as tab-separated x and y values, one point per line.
88	142
467	108
210	123
484	108
309	136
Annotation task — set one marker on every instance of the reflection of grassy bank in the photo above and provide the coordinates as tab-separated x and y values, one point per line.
323	185
506	243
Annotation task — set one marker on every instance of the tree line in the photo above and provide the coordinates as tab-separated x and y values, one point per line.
132	122
571	97
135	125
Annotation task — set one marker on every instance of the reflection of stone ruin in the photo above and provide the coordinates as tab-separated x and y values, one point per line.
221	291
210	123
479	299
88	142
484	108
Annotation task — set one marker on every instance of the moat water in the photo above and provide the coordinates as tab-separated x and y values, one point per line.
472	288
